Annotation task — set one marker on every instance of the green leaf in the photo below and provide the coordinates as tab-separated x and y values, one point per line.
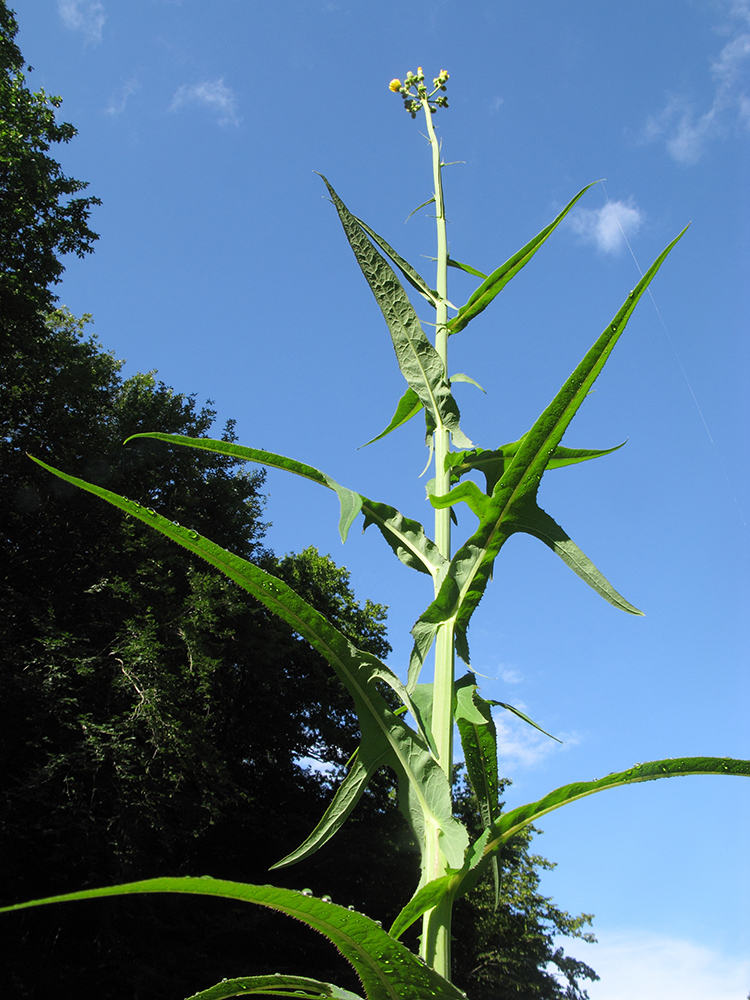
405	536
408	406
460	377
465	267
387	970
537	522
299	987
424	792
492	464
349	501
414	278
513	506
499	278
509	824
479	742
418	360
478	734
524	718
347	796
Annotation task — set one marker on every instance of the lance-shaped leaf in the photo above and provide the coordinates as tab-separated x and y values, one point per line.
408	406
406	537
418	360
466	268
414	278
299	987
499	278
493	463
478	734
387	970
513	507
424	793
509	824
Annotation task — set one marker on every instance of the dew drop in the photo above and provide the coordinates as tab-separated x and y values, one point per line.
326	899
150	511
194	535
307	892
379	923
350	907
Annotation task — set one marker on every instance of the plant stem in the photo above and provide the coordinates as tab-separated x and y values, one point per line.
435	945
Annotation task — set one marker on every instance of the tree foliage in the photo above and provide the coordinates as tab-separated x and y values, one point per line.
40	219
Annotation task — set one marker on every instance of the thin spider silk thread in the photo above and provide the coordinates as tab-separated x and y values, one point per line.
680	365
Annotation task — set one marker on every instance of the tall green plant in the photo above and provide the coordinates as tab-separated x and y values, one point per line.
415	740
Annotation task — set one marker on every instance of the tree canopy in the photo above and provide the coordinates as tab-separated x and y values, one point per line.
40	220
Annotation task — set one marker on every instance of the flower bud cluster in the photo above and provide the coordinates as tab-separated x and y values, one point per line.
415	93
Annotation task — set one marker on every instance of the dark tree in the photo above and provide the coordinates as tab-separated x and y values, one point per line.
40	219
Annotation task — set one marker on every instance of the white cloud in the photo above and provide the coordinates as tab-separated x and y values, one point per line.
520	745
607	227
687	131
510	675
213	94
117	105
83	15
657	967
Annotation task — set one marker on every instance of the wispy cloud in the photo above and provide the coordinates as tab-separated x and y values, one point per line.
607	227
657	967
682	126
520	745
83	15
118	102
213	94
510	675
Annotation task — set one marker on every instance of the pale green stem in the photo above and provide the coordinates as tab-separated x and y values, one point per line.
435	946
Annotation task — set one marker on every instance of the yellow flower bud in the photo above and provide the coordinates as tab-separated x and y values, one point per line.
395	86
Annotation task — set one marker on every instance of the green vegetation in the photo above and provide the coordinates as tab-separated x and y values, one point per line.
155	717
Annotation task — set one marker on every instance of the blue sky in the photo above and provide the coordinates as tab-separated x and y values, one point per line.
222	265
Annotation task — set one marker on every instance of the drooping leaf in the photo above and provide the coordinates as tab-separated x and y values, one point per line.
299	987
424	792
418	360
478	734
513	506
509	824
408	406
499	278
350	502
460	377
387	970
406	537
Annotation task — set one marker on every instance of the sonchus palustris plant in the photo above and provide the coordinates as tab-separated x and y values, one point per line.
416	740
